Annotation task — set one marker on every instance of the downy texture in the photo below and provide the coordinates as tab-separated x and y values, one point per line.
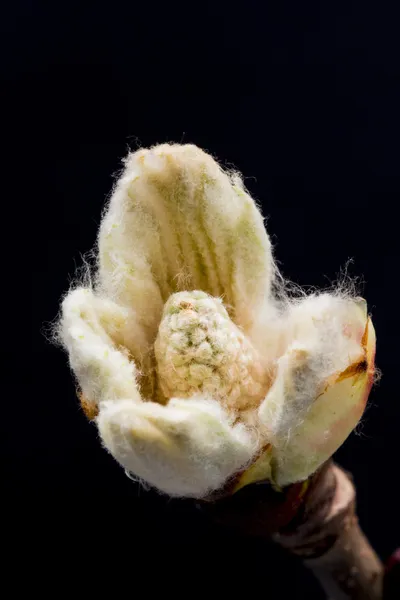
196	371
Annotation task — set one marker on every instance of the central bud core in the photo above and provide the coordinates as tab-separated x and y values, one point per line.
200	350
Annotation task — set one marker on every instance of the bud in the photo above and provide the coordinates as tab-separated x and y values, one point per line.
196	374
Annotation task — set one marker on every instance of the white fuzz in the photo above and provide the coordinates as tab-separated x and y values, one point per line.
177	222
187	448
102	370
323	335
190	365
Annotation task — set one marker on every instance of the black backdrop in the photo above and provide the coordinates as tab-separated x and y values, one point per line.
303	98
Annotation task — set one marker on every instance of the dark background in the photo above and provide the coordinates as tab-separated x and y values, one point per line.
304	99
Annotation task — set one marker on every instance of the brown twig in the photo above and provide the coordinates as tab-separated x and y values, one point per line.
316	522
326	534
